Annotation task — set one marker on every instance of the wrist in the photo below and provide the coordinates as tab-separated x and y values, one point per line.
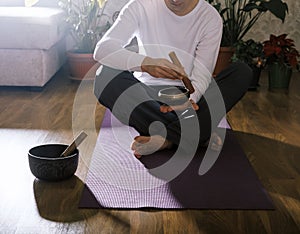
145	63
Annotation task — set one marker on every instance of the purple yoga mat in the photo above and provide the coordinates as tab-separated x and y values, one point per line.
116	179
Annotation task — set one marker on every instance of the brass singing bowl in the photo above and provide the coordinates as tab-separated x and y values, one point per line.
174	96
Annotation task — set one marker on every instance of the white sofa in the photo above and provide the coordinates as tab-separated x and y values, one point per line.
32	44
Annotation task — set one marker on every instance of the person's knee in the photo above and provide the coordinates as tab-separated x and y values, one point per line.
99	82
106	82
104	75
111	83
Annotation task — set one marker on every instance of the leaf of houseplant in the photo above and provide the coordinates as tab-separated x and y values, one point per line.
252	6
277	7
101	3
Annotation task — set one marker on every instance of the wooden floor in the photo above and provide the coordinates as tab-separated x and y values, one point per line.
267	125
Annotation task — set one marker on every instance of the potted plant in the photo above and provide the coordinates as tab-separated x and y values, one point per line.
239	16
281	57
251	53
86	23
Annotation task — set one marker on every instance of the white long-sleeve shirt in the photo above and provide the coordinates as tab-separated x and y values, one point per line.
195	37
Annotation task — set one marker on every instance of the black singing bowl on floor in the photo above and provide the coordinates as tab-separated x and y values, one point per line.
174	96
46	164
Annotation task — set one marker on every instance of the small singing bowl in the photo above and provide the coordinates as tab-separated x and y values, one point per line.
174	96
46	164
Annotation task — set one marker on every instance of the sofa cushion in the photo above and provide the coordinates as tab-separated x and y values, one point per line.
31	27
12	3
40	3
33	67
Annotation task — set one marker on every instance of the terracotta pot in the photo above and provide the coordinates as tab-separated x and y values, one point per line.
224	59
81	66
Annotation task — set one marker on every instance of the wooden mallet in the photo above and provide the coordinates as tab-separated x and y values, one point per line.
70	149
186	81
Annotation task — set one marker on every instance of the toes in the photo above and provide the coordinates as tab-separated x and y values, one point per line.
144	145
136	154
138	140
165	109
133	145
217	142
138	144
142	139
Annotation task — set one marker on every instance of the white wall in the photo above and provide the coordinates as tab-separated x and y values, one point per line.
269	24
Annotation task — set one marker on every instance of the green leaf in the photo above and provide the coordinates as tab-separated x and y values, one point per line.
277	8
251	6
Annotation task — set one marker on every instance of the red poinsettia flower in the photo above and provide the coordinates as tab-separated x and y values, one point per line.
281	49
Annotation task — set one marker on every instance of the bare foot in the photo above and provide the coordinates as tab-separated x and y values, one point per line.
216	143
143	145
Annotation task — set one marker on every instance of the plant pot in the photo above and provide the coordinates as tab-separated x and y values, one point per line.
224	59
279	76
81	66
256	71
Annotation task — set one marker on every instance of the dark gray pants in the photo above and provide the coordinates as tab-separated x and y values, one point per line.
136	104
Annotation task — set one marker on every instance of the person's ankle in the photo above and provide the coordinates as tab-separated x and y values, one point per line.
168	144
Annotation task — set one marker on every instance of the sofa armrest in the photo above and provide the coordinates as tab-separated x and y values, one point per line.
12	3
47	3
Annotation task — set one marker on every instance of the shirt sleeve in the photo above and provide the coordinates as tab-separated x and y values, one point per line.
111	51
206	55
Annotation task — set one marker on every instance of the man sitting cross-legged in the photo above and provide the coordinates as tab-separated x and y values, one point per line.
129	82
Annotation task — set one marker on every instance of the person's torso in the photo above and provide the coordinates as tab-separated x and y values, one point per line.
162	31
